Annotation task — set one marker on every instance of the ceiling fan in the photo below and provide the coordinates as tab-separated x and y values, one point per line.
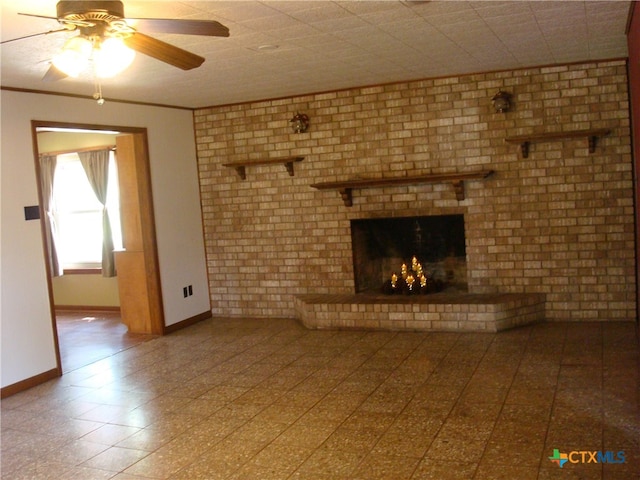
103	26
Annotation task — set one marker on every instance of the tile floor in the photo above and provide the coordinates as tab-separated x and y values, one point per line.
87	336
233	399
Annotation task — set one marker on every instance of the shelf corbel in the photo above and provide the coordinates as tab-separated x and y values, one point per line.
458	188
289	166
241	171
347	196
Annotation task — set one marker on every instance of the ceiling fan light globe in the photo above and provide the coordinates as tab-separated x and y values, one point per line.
112	57
74	56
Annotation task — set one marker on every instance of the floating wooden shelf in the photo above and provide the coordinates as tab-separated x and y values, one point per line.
456	179
526	140
240	166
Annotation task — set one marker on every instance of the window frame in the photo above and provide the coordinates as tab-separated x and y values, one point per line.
89	267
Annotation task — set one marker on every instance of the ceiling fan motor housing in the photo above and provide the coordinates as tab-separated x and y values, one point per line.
106	11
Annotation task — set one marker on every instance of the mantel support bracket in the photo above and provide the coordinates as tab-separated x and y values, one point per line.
347	196
242	172
289	167
458	188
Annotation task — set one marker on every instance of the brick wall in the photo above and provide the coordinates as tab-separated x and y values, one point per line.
559	222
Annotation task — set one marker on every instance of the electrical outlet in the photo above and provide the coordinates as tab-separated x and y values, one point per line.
185	292
190	290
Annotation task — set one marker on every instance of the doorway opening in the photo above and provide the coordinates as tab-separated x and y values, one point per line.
90	321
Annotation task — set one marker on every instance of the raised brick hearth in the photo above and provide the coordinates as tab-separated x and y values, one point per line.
436	312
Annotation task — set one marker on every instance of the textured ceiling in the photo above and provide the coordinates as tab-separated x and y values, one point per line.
324	45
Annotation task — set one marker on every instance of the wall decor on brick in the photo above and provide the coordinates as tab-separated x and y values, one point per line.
558	222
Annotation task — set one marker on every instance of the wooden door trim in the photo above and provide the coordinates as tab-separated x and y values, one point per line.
139	235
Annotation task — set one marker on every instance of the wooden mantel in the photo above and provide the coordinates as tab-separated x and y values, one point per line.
240	166
456	179
525	140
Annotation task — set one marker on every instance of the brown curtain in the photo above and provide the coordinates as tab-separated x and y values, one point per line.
96	166
47	174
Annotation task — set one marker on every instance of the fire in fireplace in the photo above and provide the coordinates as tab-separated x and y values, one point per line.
381	246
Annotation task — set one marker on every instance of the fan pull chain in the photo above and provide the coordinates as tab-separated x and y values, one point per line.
98	90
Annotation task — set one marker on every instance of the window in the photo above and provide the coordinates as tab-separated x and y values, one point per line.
78	214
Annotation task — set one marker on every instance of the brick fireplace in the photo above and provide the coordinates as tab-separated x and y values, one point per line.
554	224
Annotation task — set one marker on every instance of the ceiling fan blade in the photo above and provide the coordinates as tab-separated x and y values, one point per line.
35	35
53	74
71	24
38	16
209	28
163	51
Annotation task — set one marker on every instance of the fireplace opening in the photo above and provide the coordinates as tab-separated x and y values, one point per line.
381	246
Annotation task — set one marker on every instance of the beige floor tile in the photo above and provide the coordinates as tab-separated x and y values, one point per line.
404	444
525	413
172	424
233	399
206	469
631	469
506	472
158	465
521	451
137	417
12	418
253	472
126	476
438	469
110	434
305	435
115	459
572	473
284	459
350	440
281	413
331	462
233	453
324	416
523	394
40	469
217	425
258	431
385	467
78	451
12	461
146	439
89	474
373	420
14	439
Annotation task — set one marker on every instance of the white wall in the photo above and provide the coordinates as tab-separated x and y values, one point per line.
25	317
